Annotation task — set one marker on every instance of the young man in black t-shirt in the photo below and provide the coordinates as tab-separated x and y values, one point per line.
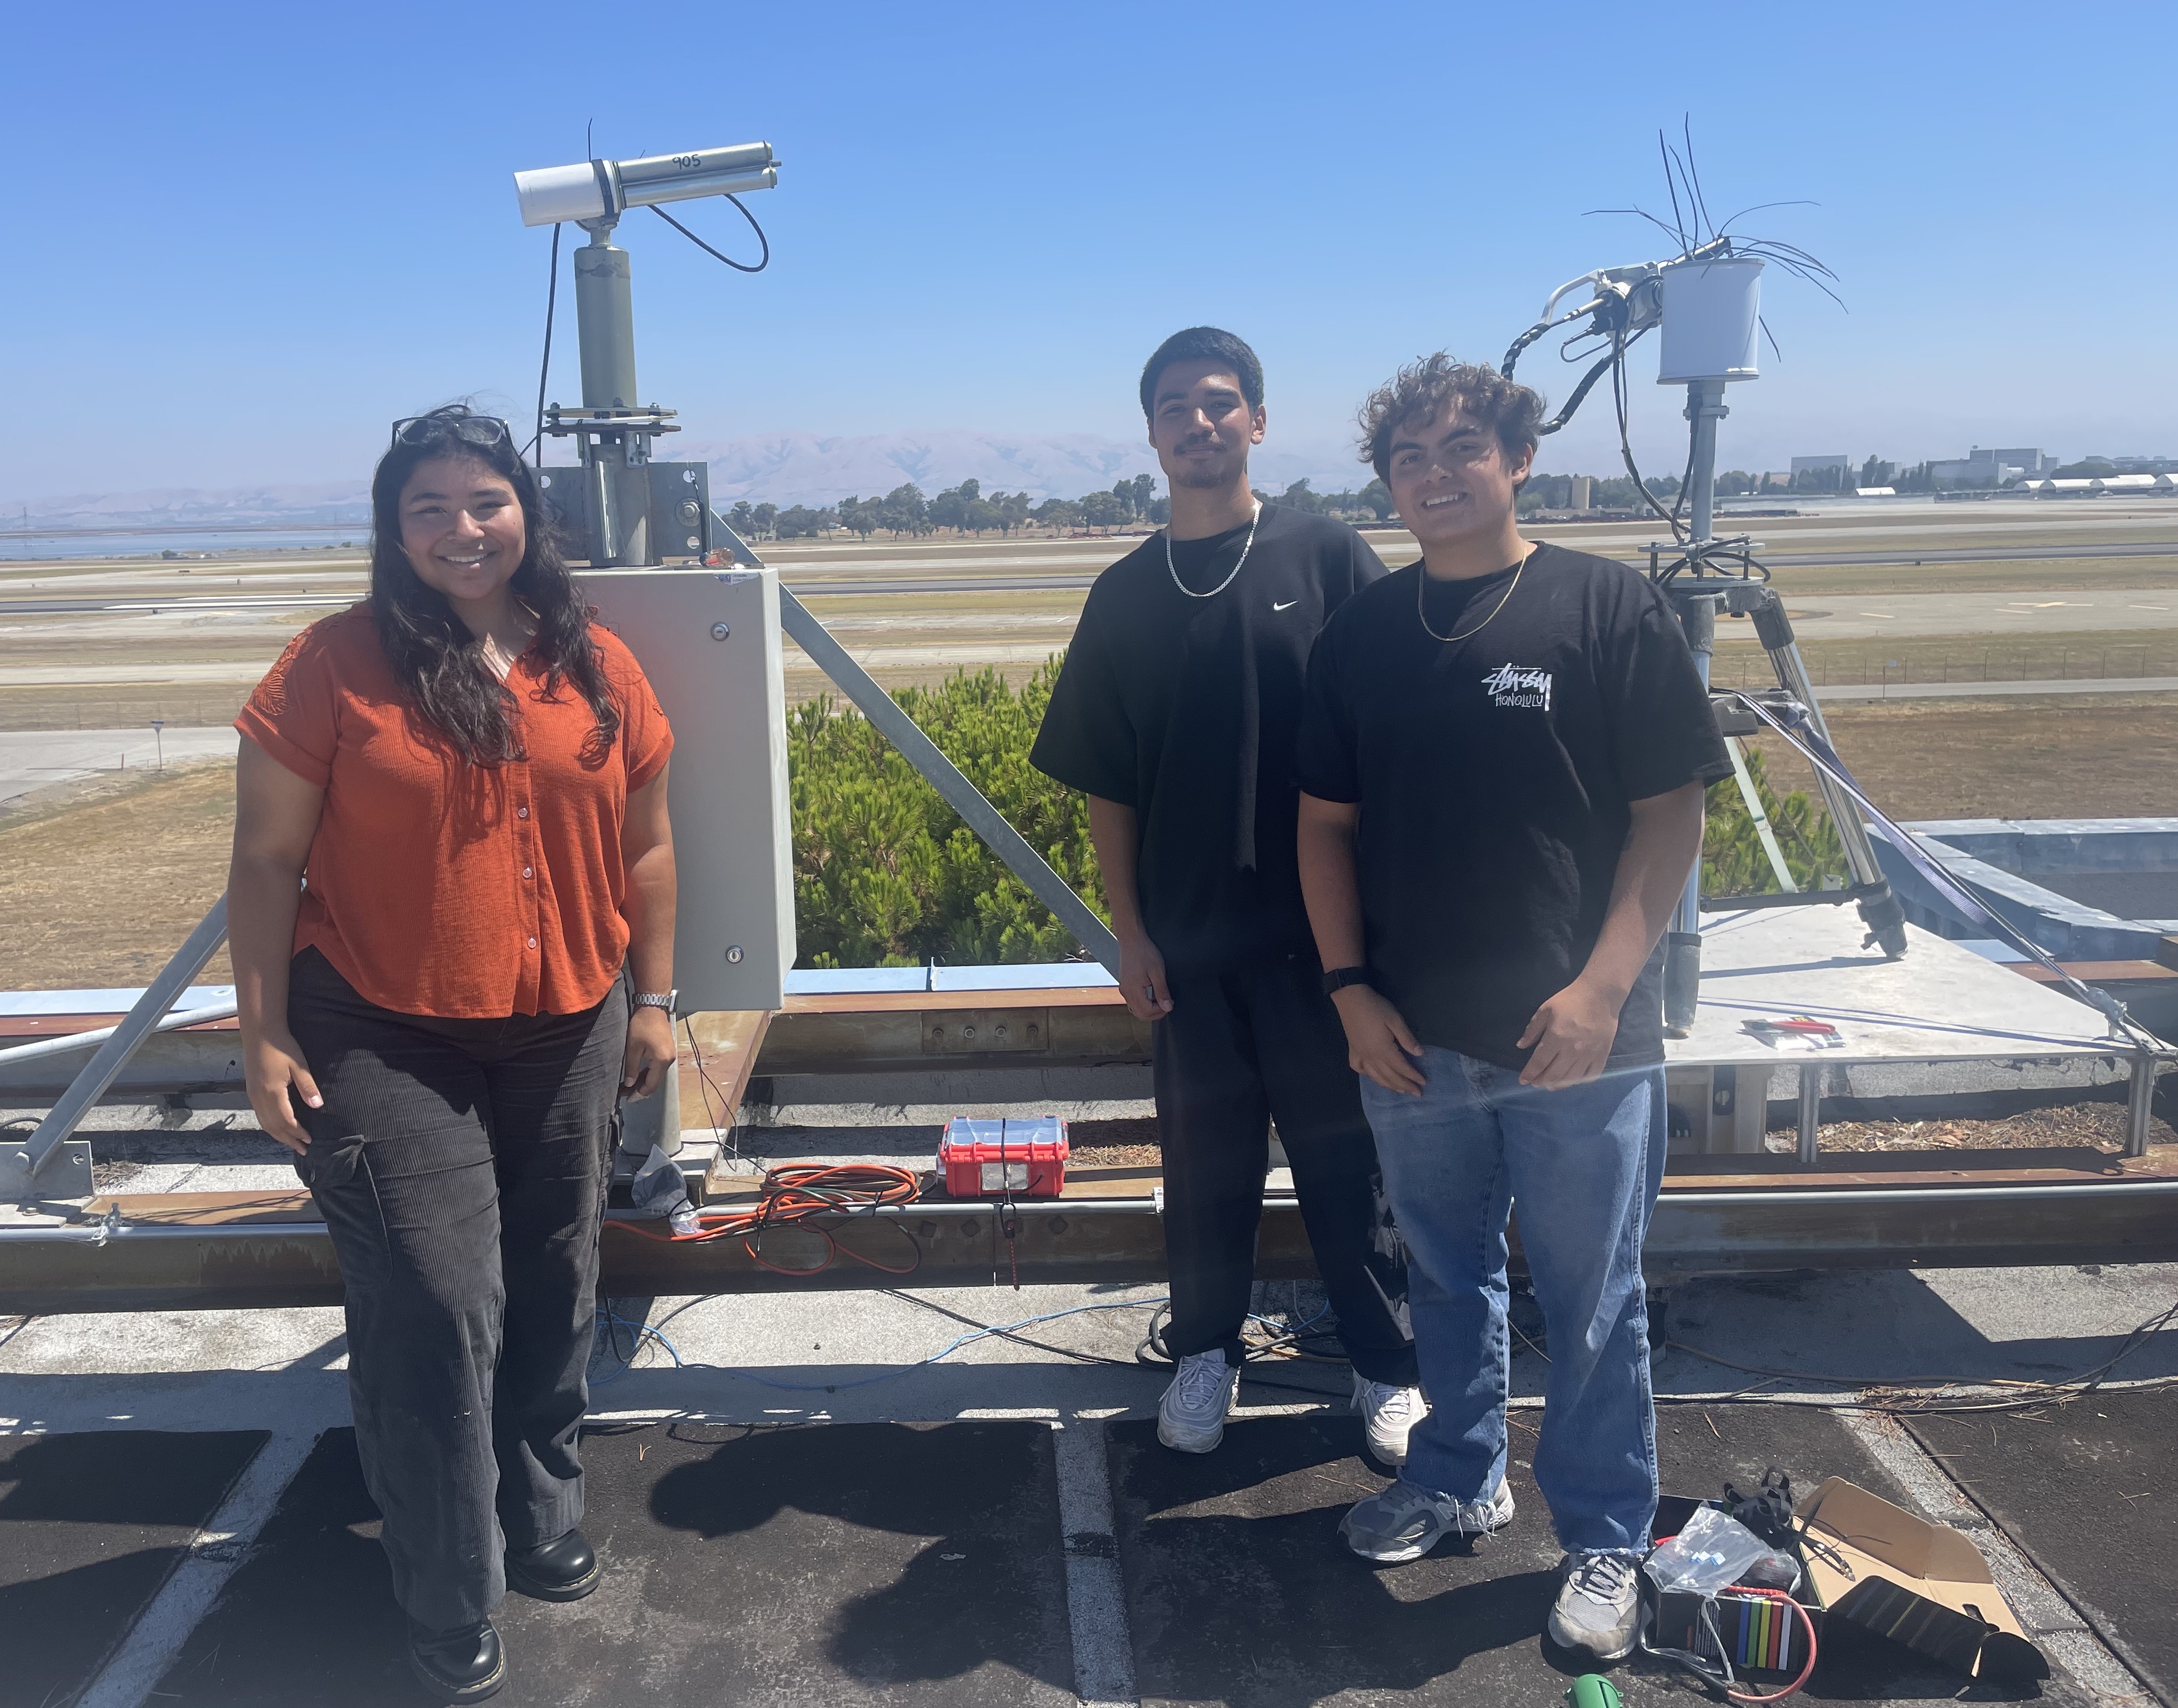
1176	713
1503	758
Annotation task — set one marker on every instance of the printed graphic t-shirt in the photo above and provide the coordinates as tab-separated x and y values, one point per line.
1186	709
1494	776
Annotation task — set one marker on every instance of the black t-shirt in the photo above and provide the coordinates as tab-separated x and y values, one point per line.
1185	710
1494	773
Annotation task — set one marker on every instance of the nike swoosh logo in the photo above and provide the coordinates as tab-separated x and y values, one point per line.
1288	605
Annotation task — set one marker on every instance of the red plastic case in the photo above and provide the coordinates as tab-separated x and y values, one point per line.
986	1158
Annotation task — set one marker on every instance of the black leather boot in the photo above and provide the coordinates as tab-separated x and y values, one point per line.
463	1665
563	1569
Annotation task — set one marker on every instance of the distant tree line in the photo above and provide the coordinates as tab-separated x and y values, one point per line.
1555	492
969	509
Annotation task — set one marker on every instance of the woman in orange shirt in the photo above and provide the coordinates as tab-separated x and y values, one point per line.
450	914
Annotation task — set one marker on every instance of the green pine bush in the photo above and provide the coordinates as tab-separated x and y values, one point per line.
885	874
1733	860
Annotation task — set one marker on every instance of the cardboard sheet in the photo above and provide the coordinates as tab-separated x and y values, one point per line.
1877	1566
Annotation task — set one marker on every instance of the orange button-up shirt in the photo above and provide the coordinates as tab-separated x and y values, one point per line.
438	887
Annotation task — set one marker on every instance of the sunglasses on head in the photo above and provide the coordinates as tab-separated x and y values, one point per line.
470	429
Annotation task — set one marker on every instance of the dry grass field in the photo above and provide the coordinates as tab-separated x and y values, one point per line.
2071	756
99	888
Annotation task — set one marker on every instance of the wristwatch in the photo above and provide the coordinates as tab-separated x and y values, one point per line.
668	1001
1340	977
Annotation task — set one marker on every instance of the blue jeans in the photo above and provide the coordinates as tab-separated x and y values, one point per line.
1584	1164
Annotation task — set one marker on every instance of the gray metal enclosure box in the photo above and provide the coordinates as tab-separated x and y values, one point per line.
709	641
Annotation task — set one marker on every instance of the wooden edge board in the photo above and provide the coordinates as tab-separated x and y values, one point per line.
930	1001
729	1043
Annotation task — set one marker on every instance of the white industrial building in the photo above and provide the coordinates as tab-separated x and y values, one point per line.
1992	467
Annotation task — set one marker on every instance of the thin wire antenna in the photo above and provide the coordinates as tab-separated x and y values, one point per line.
1678	226
1676	237
544	368
1800	201
1694	215
1770	336
1694	176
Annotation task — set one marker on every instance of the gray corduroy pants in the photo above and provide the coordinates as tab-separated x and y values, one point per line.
461	1166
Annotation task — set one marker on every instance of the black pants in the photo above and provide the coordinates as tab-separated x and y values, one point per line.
461	1166
1240	1048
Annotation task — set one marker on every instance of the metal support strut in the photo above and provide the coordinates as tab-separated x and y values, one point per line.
28	1170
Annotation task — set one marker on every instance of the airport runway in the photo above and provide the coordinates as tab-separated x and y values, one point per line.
33	760
1067	567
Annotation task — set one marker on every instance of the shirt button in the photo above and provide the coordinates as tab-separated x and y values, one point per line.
532	943
522	812
525	872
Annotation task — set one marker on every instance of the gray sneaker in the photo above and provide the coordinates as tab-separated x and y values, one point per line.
1405	1523
1191	1415
1598	1606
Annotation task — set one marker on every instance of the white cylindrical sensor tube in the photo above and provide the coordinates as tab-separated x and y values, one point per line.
554	193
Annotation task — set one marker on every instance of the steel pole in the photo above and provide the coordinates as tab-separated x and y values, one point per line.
1704	409
1696	614
604	322
2140	1104
620	484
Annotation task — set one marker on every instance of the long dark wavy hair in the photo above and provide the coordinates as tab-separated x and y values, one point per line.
434	658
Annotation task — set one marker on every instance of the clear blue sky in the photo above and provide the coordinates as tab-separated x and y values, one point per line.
242	238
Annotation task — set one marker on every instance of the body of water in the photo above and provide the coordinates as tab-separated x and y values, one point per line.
17	547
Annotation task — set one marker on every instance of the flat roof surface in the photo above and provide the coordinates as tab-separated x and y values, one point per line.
807	1510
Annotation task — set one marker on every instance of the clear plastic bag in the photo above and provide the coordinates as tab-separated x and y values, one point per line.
1714	1551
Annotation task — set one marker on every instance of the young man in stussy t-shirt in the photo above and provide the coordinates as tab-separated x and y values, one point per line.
1502	754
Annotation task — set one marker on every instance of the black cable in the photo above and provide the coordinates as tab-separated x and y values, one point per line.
738	267
1625	443
1587	383
544	368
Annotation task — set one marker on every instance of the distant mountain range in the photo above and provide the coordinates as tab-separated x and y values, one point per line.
812	468
817	468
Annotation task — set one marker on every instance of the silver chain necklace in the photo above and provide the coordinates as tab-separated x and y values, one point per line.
1422	610
1173	571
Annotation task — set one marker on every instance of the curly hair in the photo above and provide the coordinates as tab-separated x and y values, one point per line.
433	655
1420	389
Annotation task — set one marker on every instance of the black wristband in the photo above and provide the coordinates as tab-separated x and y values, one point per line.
1340	977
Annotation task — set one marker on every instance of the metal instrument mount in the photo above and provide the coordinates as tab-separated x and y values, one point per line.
1698	575
622	510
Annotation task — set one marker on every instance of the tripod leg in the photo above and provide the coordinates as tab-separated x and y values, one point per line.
1879	908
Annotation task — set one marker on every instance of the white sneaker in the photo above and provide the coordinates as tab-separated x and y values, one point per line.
1598	1606
1191	1415
1388	1413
